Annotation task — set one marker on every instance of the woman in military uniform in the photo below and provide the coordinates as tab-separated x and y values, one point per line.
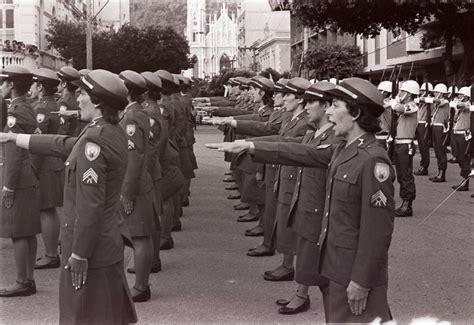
93	288
19	218
50	170
137	194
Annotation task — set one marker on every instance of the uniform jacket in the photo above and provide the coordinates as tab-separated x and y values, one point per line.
463	117
358	216
441	114
307	204
259	128
152	108
407	120
18	171
95	167
47	123
136	124
69	125
189	132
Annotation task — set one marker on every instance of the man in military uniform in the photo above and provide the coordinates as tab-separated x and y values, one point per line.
406	109
423	130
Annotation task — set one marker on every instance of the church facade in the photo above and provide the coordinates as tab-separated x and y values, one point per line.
212	39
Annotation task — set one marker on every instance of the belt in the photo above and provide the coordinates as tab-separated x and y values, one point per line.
381	137
459	131
438	124
422	122
403	141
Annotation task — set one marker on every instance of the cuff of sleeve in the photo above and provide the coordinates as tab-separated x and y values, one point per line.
251	148
77	257
23	141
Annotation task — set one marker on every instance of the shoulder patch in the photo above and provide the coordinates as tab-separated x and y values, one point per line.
131	145
11	121
381	171
131	128
378	200
92	151
90	177
40	118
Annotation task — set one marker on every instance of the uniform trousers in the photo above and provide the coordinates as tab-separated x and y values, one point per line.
338	311
104	299
404	168
423	145
460	144
439	149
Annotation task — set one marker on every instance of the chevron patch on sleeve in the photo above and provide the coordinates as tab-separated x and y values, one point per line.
90	177
378	200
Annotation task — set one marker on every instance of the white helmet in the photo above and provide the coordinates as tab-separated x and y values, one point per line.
312	81
385	86
333	81
411	86
466	91
440	88
450	90
427	86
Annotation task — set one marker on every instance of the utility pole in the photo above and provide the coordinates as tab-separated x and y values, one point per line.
89	35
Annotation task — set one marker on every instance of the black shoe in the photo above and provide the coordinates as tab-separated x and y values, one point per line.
25	289
440	178
249	217
422	171
259	253
462	187
285	277
176	227
405	209
166	244
241	206
285	310
185	202
229	180
234	197
33	286
231	187
254	232
143	296
453	160
282	302
54	263
156	267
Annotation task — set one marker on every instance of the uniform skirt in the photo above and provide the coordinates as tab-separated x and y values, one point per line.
105	298
185	163
22	219
306	270
51	186
252	192
284	236
141	221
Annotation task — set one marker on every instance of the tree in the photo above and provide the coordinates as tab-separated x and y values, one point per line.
454	18
333	61
148	49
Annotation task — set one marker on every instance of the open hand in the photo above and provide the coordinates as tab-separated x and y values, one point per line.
8	198
357	298
78	270
127	205
233	147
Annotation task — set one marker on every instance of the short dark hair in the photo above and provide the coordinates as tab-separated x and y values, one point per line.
49	89
70	86
366	120
22	85
268	98
109	114
154	94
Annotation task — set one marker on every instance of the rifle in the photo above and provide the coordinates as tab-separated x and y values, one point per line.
428	129
470	144
452	113
393	123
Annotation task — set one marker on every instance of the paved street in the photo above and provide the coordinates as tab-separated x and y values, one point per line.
208	277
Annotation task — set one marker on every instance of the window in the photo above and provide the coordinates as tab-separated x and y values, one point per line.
9	23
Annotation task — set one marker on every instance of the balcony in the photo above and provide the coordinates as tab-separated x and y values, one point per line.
7	58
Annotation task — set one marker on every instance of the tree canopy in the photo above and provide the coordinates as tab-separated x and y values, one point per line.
147	49
333	61
453	19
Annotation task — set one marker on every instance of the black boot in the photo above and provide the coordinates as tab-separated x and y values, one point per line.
462	187
422	171
440	178
405	209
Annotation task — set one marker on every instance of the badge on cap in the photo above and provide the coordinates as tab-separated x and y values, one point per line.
90	177
131	128
381	172
131	145
11	121
40	118
92	151
378	200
